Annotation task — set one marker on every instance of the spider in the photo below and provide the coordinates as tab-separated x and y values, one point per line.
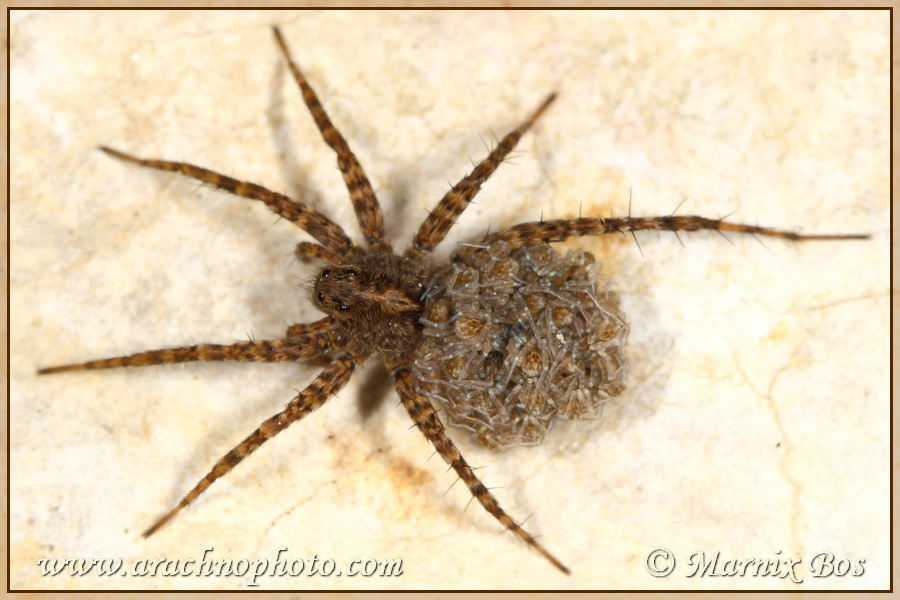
506	336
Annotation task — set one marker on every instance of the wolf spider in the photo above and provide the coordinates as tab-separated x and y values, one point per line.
379	304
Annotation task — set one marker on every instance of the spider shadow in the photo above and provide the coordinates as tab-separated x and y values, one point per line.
286	144
397	229
375	386
230	425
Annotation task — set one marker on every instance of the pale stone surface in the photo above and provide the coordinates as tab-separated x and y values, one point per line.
757	419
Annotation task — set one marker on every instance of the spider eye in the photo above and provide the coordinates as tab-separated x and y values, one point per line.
351	273
344	307
321	297
326	273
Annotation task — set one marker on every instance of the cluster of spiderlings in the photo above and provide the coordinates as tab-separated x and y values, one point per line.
514	340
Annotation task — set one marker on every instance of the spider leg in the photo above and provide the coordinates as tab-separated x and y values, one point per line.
303	343
329	381
441	219
326	231
426	419
368	211
561	229
310	250
302	329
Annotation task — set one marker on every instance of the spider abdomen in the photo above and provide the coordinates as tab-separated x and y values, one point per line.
512	340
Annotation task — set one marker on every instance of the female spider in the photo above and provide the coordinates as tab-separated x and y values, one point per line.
508	334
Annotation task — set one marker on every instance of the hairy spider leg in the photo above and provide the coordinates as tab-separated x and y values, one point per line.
329	381
303	342
562	229
441	219
311	250
426	419
326	231
301	329
368	211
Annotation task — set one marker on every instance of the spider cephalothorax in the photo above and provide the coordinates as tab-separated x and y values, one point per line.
506	337
376	298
